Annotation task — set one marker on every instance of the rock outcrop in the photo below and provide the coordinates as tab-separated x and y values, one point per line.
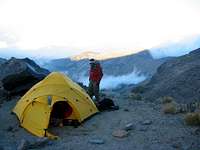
19	75
178	78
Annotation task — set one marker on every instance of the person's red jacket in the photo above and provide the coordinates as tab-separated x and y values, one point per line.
96	73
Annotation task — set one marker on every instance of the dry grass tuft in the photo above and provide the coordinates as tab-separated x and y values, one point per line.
170	108
135	96
167	99
192	118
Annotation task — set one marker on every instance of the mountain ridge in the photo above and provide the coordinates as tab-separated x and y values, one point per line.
178	78
102	55
142	62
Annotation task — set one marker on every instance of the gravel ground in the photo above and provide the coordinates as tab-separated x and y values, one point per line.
151	129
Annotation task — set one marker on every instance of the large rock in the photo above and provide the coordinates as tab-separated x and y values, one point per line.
178	78
19	75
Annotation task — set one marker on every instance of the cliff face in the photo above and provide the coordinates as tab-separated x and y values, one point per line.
179	78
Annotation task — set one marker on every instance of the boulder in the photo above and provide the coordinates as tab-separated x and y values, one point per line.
19	75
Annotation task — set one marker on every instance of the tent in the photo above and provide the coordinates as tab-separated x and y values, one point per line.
34	108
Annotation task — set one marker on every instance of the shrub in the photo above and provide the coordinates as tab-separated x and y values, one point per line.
192	118
167	99
170	108
139	89
135	96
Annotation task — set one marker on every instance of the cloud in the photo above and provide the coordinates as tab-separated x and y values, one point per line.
7	39
94	25
112	82
176	48
3	44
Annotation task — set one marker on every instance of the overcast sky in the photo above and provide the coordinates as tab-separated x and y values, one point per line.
58	28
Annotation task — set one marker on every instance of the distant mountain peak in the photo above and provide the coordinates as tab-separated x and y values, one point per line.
86	55
102	55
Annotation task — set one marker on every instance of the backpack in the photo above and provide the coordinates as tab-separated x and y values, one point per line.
107	104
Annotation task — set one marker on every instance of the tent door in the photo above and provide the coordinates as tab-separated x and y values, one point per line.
61	110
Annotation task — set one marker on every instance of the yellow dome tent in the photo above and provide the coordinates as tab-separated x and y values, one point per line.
34	108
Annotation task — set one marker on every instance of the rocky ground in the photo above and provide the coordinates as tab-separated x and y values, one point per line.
140	125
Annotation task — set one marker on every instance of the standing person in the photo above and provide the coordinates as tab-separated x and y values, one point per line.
95	77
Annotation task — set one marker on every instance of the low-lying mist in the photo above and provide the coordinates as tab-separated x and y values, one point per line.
112	82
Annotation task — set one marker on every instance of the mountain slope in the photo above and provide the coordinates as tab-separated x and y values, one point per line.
179	78
2	60
142	62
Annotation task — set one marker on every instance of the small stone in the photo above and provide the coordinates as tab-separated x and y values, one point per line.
24	145
96	141
147	122
129	126
120	133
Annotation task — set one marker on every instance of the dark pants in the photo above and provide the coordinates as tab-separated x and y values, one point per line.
93	90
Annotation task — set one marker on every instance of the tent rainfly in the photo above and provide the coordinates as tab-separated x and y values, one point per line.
34	108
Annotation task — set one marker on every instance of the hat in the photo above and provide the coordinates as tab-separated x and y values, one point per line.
92	61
